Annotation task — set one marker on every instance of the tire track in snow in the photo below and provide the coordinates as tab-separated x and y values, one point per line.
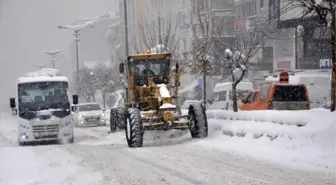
241	167
163	167
117	167
179	174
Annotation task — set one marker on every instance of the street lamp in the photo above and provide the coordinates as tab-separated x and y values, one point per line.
76	29
53	55
39	66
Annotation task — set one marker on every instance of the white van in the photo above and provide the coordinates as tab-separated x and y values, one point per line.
223	94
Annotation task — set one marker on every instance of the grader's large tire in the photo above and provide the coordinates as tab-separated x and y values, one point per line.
200	123
113	120
134	128
121	118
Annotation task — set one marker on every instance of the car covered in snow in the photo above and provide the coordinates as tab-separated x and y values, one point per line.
88	114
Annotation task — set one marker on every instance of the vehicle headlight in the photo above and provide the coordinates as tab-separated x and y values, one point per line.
24	127
80	116
103	115
67	123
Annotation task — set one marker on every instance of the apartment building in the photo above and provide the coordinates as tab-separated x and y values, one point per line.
312	50
149	22
220	17
252	16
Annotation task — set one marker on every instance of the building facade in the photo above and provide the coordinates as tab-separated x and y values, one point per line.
219	17
251	17
310	41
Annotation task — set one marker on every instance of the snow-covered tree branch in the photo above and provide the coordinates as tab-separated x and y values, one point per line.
86	87
237	69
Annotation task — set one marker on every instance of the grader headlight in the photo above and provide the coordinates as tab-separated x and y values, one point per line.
150	81
168	116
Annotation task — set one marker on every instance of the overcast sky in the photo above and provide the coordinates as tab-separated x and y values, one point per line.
27	27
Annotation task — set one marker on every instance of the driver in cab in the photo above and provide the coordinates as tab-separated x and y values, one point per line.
147	71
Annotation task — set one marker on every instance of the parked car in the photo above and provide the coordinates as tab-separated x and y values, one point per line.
278	96
88	114
187	103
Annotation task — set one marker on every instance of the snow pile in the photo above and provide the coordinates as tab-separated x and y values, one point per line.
164	92
120	99
326	138
8	133
167	106
310	147
299	118
158	49
47	165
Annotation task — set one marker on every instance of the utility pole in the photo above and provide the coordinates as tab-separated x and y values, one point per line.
204	83
76	29
333	69
53	60
126	28
76	33
159	23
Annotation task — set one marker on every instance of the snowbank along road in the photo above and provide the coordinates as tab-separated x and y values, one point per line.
172	157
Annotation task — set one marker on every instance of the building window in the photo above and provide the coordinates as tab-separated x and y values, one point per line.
246	10
261	3
200	4
185	44
182	20
222	4
253	8
154	3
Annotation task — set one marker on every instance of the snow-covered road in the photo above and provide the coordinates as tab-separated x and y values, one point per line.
99	158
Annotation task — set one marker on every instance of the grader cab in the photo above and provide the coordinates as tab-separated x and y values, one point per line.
151	101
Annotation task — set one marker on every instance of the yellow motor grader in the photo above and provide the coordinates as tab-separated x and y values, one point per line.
151	100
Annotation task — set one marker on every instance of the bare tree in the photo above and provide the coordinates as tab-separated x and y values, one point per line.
165	34
205	33
105	80
246	47
113	38
324	11
86	81
237	70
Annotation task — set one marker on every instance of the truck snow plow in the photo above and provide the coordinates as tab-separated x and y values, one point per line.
149	104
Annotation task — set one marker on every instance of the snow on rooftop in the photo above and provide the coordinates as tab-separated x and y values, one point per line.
164	92
78	27
42	79
44	72
43	75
